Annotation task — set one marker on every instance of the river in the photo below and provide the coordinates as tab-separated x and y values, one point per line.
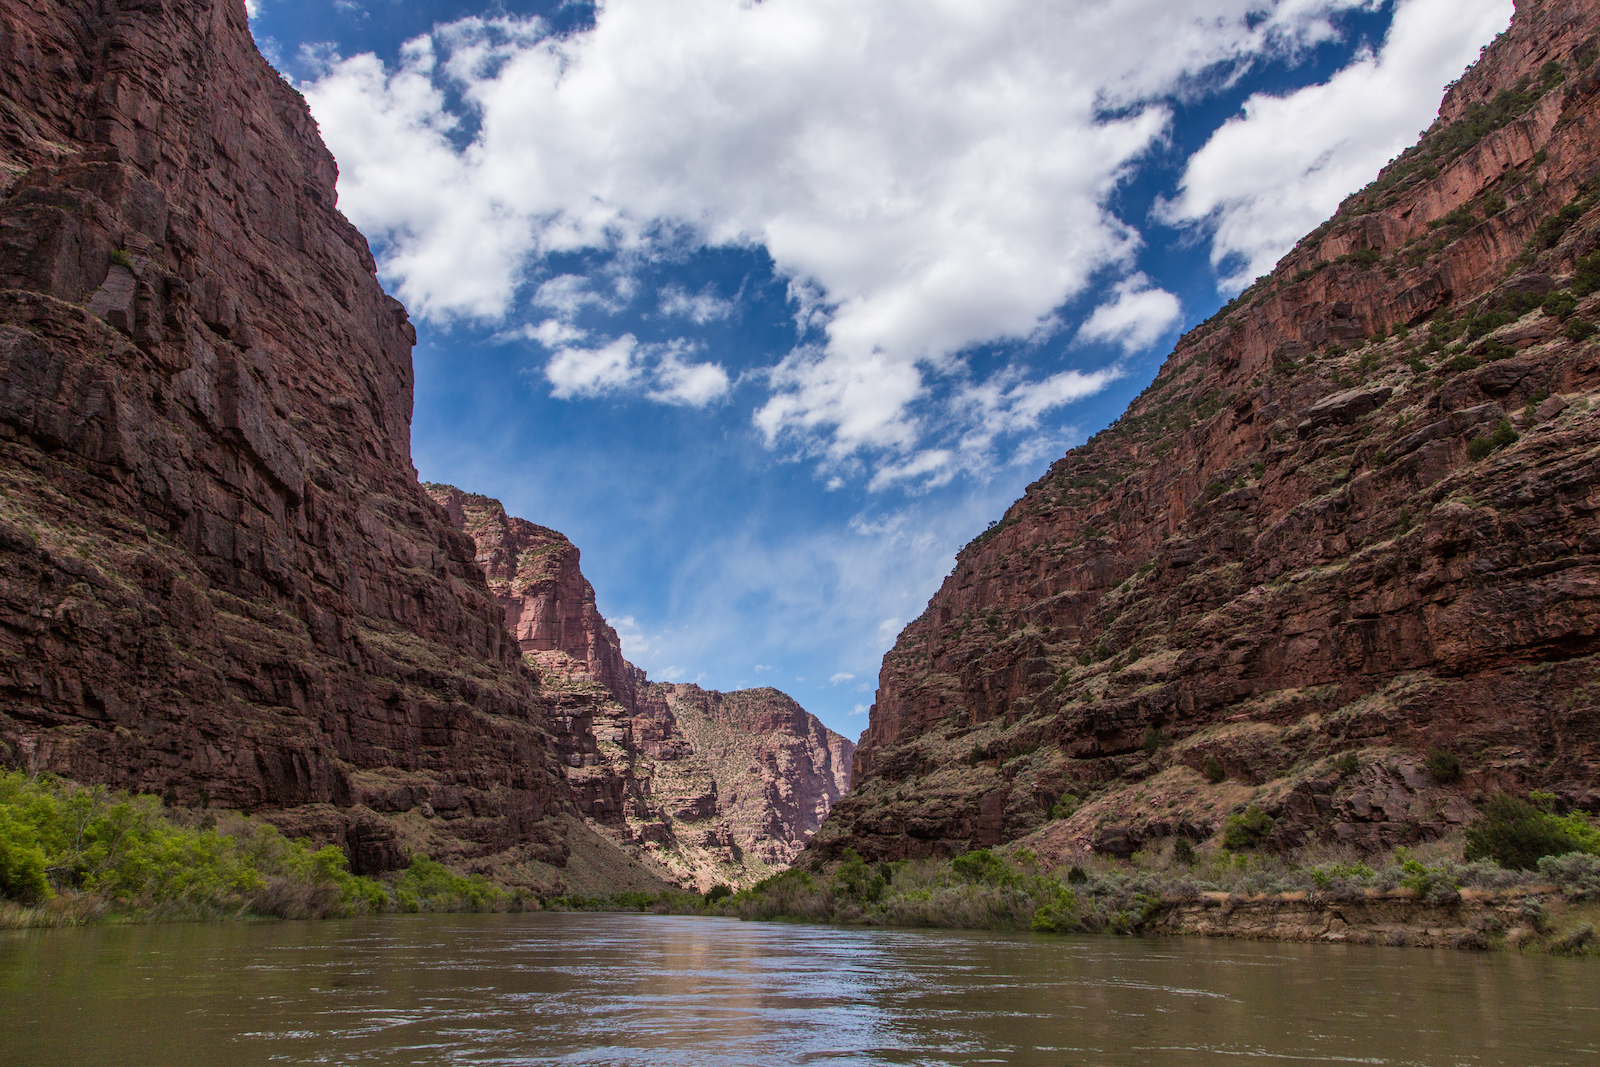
641	990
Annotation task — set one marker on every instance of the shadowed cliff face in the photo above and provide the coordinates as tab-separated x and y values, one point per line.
1355	513
708	787
219	579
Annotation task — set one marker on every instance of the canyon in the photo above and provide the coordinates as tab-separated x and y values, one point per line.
1339	562
220	581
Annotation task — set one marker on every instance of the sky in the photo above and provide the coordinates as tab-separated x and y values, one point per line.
772	305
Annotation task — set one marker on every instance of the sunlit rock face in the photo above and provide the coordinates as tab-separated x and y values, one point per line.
219	579
708	787
1354	515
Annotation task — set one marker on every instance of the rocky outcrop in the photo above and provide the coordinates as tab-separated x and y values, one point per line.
709	787
550	607
1475	919
777	770
1350	524
219	578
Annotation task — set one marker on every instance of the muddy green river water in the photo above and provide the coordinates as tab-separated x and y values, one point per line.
642	990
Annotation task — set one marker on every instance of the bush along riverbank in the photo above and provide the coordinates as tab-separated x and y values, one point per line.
1522	876
72	854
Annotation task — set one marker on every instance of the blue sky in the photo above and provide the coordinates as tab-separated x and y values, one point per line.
771	306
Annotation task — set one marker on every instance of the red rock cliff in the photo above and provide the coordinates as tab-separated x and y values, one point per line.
549	604
1354	516
219	579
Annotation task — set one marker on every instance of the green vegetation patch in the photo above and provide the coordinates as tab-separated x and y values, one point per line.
71	853
1517	833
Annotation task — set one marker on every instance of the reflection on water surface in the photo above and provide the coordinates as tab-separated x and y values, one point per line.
638	990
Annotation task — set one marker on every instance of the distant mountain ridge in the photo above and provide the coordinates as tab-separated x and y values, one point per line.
710	787
1350	526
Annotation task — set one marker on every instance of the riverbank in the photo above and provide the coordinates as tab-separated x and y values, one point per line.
71	855
1423	898
1528	918
1532	918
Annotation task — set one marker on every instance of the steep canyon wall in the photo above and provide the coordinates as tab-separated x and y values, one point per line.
219	579
1351	522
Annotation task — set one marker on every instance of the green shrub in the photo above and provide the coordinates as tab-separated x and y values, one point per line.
22	863
440	889
1250	830
981	865
1577	873
1346	763
854	880
1077	876
1579	330
1443	766
1442	327
129	853
1550	231
121	258
1213	770
1586	276
1065	807
1432	883
1183	852
1516	835
1500	437
1459	362
1145	910
717	892
1153	740
1328	875
1059	914
1560	305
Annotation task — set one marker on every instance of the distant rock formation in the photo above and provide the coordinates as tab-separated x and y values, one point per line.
777	769
1351	524
710	787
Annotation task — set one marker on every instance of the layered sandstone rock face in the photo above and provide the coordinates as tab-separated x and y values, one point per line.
219	579
1351	522
709	787
777	769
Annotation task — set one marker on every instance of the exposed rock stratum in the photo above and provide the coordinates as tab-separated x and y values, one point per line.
1351	524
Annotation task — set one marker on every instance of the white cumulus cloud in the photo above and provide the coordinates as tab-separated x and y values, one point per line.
1272	174
659	371
700	308
593	371
1137	315
927	177
690	384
